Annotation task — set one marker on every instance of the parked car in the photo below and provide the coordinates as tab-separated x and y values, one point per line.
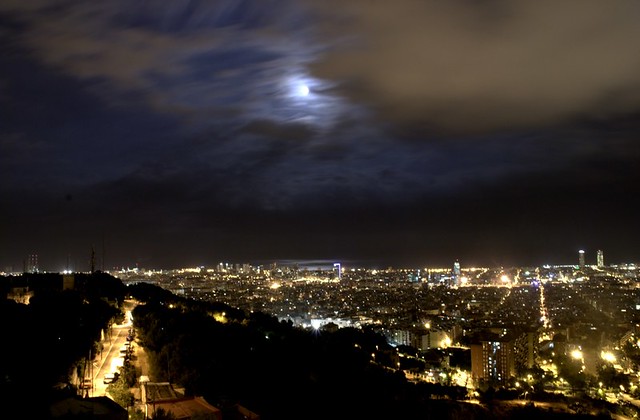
110	377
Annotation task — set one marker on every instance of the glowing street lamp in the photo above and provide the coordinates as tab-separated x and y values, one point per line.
576	354
446	342
607	356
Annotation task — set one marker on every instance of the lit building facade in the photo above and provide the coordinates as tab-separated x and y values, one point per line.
600	259
492	361
435	339
457	272
525	350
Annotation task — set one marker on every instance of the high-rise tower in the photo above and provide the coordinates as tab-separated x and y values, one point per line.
32	265
338	268
581	258
600	259
455	278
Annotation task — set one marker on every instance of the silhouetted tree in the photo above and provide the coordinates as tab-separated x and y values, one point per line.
120	392
162	414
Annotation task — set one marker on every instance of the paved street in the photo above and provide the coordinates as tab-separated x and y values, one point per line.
111	344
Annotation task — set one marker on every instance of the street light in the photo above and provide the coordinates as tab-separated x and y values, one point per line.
607	356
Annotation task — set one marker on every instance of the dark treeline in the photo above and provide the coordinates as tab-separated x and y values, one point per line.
44	340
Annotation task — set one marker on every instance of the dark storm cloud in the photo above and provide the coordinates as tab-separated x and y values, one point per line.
467	65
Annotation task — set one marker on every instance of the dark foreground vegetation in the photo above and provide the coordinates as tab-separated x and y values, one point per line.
45	340
223	354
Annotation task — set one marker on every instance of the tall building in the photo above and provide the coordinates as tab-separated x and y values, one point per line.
492	360
525	345
338	268
456	268
455	279
581	258
32	264
600	259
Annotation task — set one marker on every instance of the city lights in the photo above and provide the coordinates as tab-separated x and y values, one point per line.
320	209
607	356
565	315
576	354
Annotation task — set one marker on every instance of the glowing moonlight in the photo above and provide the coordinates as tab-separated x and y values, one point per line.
303	90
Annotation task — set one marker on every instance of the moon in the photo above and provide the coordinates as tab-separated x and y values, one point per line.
303	90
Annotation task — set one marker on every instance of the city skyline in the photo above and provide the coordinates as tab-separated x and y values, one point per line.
401	134
31	264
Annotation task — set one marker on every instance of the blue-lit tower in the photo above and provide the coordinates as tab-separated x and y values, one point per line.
338	268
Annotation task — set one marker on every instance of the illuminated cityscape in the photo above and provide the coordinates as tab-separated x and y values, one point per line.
285	209
529	311
554	328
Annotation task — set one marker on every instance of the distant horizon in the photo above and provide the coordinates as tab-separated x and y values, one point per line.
312	264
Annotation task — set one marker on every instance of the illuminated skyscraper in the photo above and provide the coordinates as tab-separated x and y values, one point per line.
581	258
338	268
600	259
455	279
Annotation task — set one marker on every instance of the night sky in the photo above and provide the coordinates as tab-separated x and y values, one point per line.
405	133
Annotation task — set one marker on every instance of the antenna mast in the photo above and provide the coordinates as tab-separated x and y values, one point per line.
93	259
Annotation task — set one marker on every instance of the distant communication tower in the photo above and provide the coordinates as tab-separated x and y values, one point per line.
581	258
600	259
93	259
